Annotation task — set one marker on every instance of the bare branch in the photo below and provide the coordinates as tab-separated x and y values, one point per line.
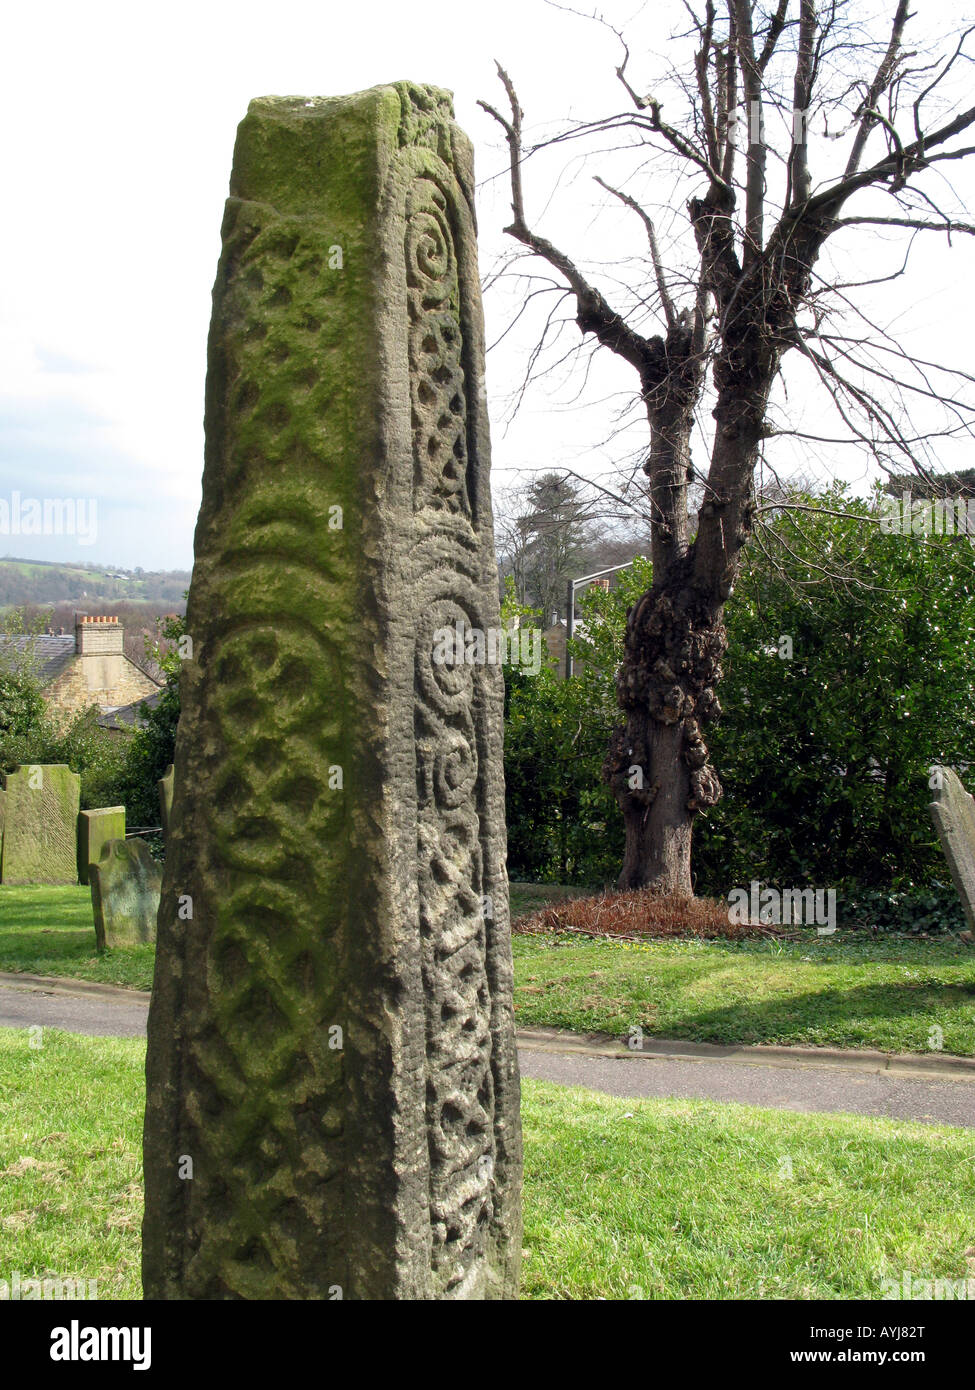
946	68
668	304
918	225
751	77
914	156
727	82
702	61
881	80
799	181
776	25
594	313
656	123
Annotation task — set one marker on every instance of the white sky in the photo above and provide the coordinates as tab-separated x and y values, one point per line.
118	127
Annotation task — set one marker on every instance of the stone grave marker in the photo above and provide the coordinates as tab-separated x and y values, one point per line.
40	836
95	829
125	887
953	813
333	1098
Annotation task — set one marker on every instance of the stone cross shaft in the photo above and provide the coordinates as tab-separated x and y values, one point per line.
332	1077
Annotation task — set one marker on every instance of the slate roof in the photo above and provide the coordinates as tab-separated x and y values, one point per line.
127	716
52	654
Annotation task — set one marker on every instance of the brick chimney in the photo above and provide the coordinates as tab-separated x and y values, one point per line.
100	636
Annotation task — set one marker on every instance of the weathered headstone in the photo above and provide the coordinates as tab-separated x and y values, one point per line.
40	835
125	886
95	829
953	813
332	1076
165	786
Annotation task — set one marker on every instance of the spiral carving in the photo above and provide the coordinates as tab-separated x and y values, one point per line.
386	1165
460	1101
438	388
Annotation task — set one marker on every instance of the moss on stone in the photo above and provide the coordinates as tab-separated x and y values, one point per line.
125	886
40	839
95	829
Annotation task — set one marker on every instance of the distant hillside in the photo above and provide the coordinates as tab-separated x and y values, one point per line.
87	586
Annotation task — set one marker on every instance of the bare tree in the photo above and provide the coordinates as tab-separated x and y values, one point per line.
741	290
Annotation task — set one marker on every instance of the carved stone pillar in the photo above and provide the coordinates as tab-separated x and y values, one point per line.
332	1077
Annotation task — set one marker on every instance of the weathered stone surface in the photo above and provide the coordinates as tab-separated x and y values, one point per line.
953	813
40	837
166	800
125	886
95	829
331	1034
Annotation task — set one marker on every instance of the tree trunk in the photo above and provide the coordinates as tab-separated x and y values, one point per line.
658	831
657	764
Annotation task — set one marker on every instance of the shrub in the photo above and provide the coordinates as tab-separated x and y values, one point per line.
823	753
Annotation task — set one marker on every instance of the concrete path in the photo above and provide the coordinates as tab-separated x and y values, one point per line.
930	1088
76	1005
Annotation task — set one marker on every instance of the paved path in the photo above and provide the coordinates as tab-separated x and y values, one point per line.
939	1091
75	1005
931	1089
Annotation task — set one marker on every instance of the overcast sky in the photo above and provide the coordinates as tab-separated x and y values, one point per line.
118	129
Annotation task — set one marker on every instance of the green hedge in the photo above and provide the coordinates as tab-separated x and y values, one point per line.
823	755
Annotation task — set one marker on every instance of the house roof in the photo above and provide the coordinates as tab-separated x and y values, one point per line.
127	716
51	654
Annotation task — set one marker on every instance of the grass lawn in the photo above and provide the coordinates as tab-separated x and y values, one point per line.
51	931
848	990
529	897
70	1159
623	1199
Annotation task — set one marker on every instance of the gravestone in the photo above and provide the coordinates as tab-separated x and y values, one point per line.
95	829
40	835
953	813
165	786
125	885
333	1100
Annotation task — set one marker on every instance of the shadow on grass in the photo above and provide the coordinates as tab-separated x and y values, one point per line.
860	1015
43	907
51	931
